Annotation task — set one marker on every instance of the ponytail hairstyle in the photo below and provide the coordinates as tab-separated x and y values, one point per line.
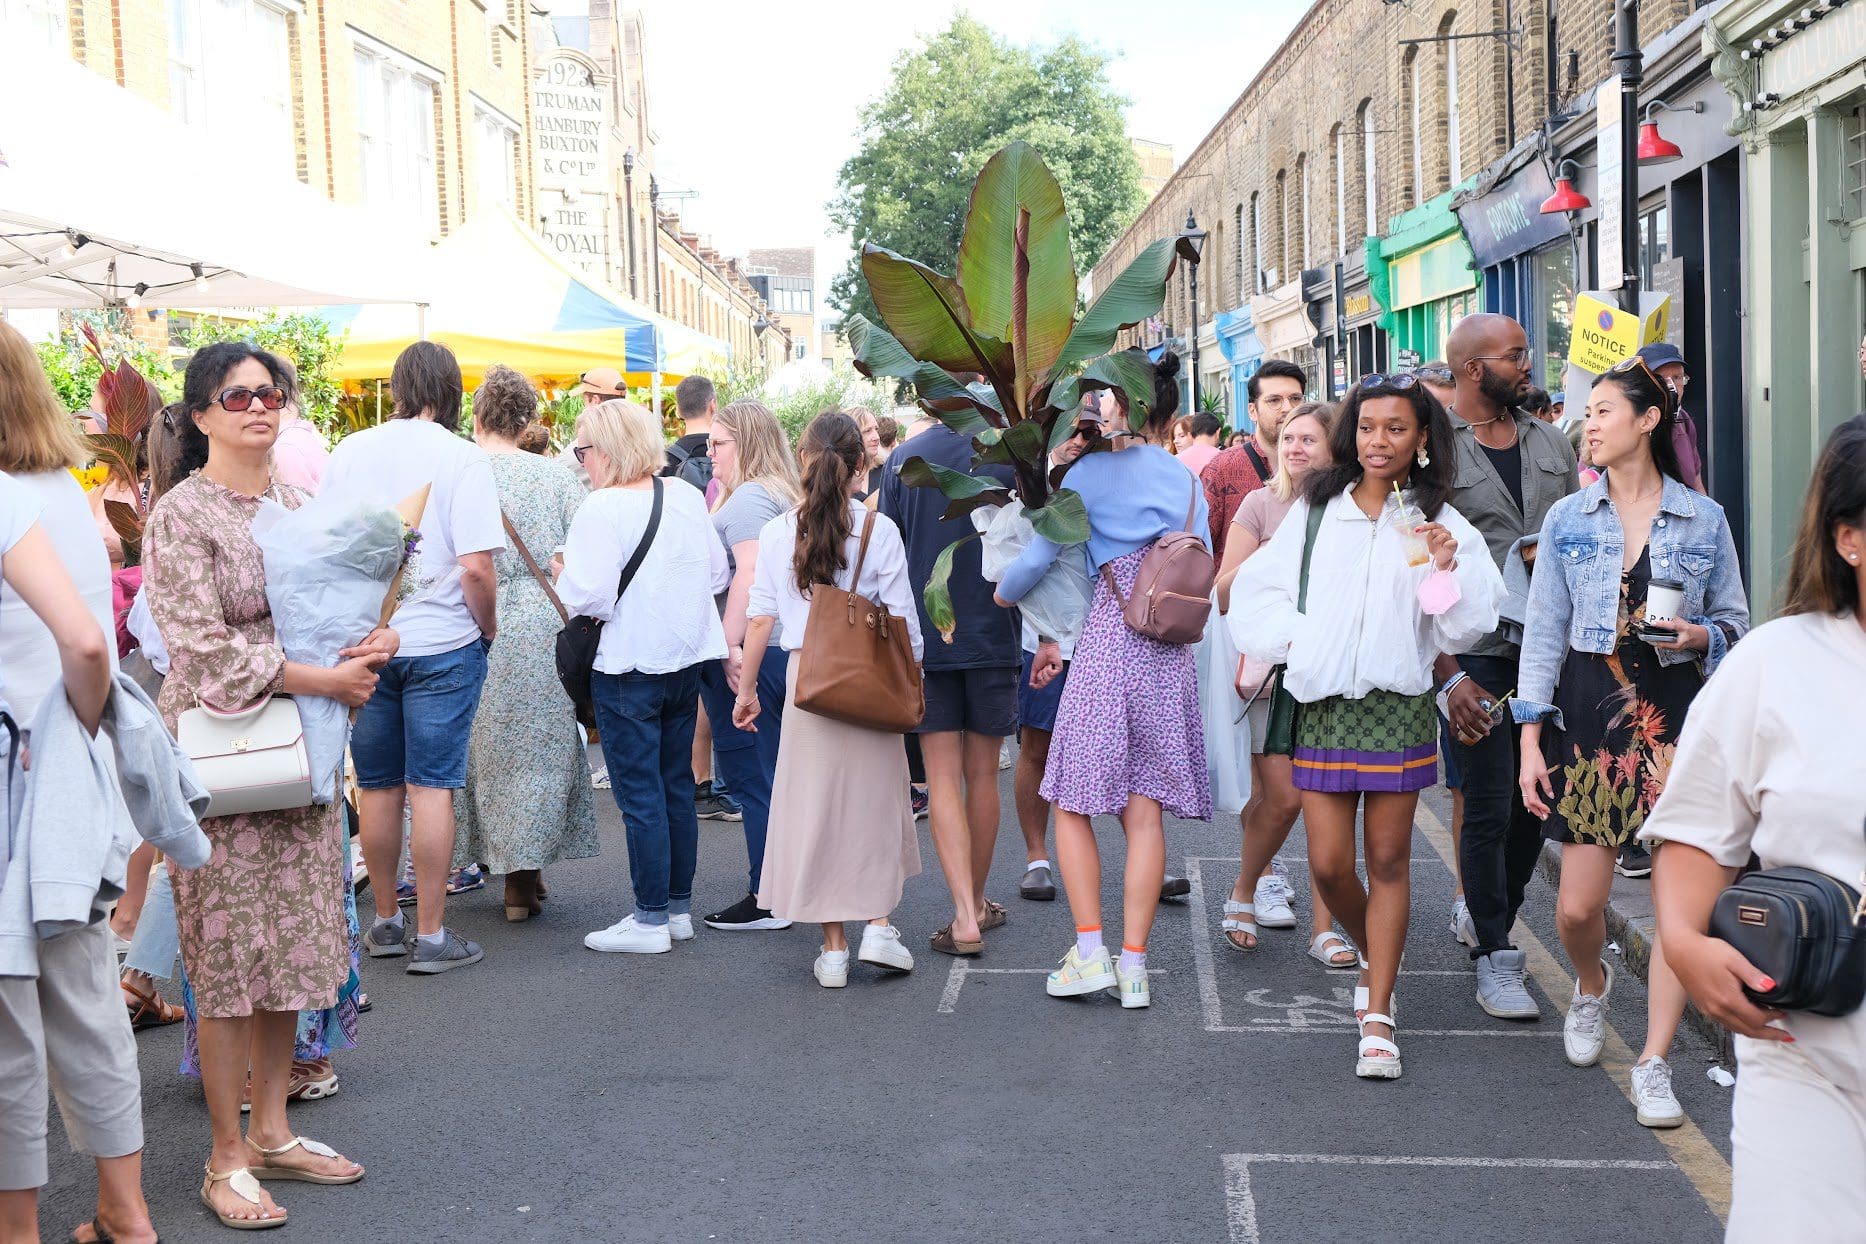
1164	401
832	454
202	386
1647	390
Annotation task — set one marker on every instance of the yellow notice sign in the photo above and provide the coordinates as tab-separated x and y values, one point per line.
1603	334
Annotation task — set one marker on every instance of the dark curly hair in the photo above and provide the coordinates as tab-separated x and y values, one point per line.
206	378
504	403
1430	484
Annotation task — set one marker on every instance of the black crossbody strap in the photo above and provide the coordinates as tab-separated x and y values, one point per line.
647	538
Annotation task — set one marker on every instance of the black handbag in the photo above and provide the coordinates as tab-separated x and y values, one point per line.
576	643
1804	930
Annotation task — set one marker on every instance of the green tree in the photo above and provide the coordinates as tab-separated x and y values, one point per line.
952	104
304	339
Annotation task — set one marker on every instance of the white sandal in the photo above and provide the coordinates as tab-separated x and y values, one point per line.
267	1169
1323	946
1369	1066
244	1186
1360	991
1246	925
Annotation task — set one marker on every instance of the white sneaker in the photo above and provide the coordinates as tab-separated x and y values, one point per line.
1272	902
1653	1102
600	779
1585	1029
881	943
1007	754
832	969
627	937
1462	926
680	928
1132	988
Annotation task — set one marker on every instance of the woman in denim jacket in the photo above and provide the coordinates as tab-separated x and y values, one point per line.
1616	701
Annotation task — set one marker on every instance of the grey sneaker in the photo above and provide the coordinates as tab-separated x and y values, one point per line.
388	941
453	952
1500	987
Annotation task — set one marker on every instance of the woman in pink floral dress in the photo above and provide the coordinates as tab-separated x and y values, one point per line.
263	933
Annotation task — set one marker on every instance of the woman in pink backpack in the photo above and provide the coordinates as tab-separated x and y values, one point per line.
1129	740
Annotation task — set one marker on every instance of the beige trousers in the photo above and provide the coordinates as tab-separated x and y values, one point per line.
1798	1141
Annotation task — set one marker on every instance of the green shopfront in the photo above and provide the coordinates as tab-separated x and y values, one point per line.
1422	272
1796	78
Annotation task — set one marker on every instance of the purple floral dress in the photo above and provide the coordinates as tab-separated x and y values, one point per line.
262	922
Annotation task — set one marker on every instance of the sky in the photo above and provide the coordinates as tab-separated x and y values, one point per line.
755	102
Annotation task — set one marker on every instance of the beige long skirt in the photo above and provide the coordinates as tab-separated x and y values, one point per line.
842	840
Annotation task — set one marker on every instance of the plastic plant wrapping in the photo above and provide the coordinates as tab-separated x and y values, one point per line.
328	565
1058	605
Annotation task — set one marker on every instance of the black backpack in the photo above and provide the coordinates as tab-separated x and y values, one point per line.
696	469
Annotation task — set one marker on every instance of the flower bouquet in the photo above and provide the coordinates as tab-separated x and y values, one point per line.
333	569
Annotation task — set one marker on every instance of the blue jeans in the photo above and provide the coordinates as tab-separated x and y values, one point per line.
414	730
157	943
646	725
746	760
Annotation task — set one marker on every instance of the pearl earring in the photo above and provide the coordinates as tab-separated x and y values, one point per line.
1424	458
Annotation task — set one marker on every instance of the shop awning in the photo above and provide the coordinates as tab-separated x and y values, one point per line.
107	200
492	293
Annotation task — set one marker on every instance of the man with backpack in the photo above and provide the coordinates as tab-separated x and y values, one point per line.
688	458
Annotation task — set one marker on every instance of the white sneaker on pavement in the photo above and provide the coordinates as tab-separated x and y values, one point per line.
881	943
1272	903
627	937
1585	1029
680	927
1653	1101
1462	926
832	969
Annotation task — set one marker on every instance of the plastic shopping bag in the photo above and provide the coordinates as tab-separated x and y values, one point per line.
1058	605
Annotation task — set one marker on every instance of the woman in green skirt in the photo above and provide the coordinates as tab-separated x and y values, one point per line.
1369	579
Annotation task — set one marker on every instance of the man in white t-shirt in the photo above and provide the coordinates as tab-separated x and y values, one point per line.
410	740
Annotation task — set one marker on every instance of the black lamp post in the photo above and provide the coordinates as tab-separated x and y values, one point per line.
654	235
1629	64
1190	243
628	193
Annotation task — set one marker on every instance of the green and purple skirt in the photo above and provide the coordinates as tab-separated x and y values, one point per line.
1385	742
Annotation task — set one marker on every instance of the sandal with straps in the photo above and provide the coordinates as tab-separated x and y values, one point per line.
269	1170
1323	948
147	1007
1370	1065
247	1188
1247	925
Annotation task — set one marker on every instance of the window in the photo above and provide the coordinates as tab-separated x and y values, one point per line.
43	21
1256	239
1415	112
1243	283
1282	224
495	139
1340	158
395	100
1454	157
1367	167
230	74
1301	258
1854	150
1655	242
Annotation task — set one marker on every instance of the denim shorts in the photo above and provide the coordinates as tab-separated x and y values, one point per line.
414	731
1036	709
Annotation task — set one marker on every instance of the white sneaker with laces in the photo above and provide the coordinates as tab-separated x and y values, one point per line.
627	937
1272	903
680	927
1463	928
1585	1029
1653	1102
832	969
881	944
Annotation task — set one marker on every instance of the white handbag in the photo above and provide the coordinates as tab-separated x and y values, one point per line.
253	760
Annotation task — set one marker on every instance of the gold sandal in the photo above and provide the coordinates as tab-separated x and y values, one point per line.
247	1189
267	1170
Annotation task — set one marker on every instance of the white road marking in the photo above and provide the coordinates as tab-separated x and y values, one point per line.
1241	1203
955	981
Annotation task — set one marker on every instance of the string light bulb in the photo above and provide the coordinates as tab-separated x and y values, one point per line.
135	299
200	278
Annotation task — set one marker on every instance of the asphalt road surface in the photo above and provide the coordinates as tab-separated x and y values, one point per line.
717	1093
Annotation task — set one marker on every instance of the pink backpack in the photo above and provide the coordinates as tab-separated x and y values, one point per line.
1173	590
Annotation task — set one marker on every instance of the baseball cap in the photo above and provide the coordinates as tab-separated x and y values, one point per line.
1558	398
606	381
1659	353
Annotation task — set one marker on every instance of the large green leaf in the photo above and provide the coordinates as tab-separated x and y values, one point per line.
938	593
1130	371
1015	268
1139	292
926	311
1063	521
1023	442
879	353
956	485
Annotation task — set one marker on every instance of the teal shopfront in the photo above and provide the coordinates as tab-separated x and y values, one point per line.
1237	339
1423	273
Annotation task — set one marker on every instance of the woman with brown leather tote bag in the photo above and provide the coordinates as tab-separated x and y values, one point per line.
858	661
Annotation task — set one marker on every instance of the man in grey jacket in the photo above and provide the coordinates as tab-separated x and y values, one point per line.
1509	469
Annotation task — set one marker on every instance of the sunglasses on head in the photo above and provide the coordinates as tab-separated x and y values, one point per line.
241	398
1437	375
1631	363
1399	381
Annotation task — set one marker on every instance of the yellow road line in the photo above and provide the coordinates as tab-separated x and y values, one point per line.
1690	1149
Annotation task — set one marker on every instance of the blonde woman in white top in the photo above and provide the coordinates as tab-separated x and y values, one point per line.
1393	581
842	838
646	685
1769	762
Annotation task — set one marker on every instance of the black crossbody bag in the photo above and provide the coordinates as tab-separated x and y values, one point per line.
1805	930
576	643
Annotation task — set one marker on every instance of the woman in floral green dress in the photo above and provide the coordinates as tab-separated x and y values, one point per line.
528	801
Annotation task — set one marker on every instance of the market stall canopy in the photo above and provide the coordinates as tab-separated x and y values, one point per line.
107	200
492	293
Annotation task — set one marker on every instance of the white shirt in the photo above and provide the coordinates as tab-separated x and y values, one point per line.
884	575
1363	629
667	620
389	463
29	662
1769	761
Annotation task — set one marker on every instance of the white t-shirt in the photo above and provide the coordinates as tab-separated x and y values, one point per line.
388	463
29	662
884	575
666	621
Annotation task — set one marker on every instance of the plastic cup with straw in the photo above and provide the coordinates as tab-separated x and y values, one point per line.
1418	552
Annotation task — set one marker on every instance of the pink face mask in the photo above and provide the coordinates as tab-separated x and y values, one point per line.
1438	592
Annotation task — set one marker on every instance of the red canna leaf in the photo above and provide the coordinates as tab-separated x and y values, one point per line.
127	523
126	400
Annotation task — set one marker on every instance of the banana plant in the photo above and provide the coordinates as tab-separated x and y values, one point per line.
1009	317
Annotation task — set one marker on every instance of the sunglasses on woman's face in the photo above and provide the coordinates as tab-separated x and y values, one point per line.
240	398
580	450
1400	381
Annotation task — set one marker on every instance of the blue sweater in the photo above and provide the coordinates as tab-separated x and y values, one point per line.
1133	497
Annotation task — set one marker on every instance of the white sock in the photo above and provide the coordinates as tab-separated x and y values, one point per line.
381	921
1133	961
1088	944
1036	864
432	939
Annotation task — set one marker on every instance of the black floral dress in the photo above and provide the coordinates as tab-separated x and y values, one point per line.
1622	713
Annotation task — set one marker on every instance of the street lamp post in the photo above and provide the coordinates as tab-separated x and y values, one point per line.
628	193
1629	64
1190	243
654	235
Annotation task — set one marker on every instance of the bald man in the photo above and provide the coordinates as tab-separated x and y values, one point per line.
1511	467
